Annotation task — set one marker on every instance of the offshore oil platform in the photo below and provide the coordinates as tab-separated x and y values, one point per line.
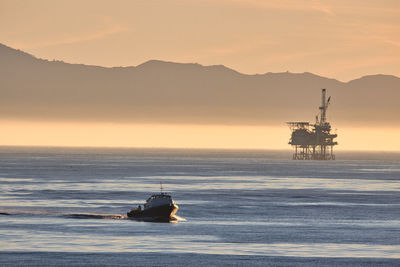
313	141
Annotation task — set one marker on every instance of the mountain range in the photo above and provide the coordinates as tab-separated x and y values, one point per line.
167	92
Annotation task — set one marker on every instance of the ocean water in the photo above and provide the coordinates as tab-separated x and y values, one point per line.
64	207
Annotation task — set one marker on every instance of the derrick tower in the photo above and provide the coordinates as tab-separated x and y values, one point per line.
313	141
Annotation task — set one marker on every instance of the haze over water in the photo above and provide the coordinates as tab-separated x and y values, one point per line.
67	206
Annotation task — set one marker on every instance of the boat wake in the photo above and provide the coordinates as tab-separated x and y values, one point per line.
58	214
95	216
88	216
13	212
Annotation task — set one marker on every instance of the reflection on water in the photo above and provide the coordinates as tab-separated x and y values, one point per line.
230	204
206	183
190	244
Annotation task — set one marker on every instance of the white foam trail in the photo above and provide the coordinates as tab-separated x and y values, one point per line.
178	218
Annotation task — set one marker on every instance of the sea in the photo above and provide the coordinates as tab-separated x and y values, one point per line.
67	207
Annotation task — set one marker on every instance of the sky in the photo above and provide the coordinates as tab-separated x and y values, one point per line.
341	39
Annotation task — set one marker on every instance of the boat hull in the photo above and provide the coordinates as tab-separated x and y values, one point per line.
158	213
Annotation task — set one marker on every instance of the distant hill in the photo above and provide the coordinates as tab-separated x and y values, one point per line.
166	92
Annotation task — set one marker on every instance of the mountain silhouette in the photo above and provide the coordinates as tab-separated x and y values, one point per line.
168	92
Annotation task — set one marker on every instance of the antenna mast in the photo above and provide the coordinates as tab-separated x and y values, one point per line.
323	107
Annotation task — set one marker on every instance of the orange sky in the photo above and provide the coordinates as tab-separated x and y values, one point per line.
335	38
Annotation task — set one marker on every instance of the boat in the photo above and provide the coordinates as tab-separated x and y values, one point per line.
159	207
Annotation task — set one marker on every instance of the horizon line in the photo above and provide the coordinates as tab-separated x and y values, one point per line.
188	148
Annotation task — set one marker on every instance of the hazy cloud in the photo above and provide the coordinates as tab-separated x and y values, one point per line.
110	29
301	5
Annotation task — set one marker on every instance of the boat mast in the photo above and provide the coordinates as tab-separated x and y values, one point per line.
161	188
